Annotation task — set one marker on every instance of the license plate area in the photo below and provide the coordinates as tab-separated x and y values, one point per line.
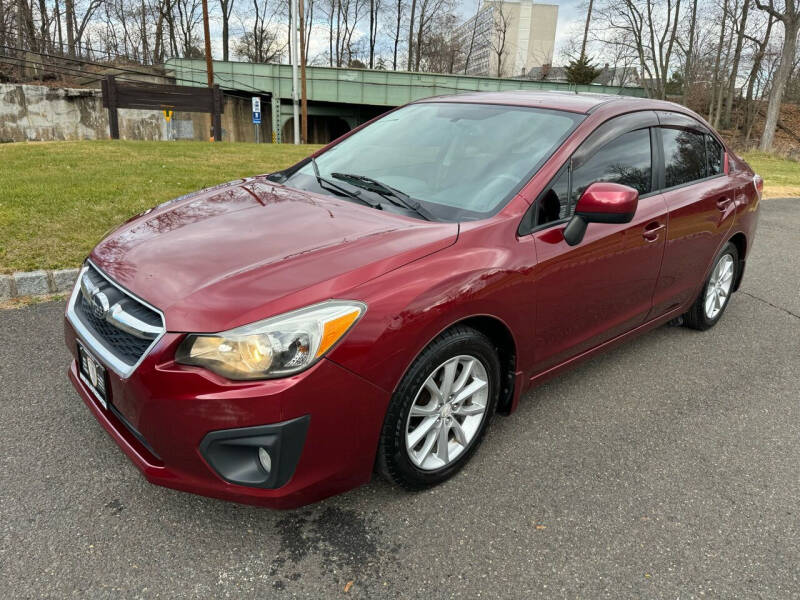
93	375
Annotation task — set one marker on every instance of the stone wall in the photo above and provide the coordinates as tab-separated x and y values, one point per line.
40	113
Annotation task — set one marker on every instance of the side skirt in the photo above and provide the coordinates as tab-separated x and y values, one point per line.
612	343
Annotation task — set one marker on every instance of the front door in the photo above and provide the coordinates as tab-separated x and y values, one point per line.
589	293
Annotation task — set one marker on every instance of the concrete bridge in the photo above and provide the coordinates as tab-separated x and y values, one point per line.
340	99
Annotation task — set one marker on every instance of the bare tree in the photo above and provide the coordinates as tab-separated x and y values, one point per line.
76	25
737	56
190	17
441	48
226	7
688	70
411	33
429	12
789	15
650	29
758	58
374	10
500	24
396	24
473	31
261	43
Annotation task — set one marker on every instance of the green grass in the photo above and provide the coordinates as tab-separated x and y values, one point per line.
58	199
781	175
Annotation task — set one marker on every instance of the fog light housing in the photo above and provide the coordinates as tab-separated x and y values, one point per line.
264	459
264	456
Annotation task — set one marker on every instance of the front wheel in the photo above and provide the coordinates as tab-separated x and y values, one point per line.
441	409
714	297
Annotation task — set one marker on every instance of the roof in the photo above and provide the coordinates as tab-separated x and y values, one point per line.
577	102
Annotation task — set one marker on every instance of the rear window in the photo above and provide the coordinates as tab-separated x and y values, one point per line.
684	156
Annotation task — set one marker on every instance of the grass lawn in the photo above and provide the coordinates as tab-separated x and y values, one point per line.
781	175
58	199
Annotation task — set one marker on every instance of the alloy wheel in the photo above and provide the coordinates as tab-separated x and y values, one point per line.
447	412
719	286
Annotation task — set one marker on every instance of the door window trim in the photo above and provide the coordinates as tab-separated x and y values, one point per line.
605	133
662	167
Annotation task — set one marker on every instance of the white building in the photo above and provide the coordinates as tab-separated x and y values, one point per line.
508	38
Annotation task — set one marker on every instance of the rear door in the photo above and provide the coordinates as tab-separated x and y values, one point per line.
700	199
589	293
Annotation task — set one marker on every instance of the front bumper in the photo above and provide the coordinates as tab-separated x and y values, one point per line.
167	417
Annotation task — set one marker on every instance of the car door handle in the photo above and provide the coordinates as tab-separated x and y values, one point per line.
723	203
652	230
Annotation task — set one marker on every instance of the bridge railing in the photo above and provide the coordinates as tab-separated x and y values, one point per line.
361	86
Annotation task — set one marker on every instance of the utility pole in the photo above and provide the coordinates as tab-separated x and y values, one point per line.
209	63
586	29
295	111
303	96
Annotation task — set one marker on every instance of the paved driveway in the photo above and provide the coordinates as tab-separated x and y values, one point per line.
668	468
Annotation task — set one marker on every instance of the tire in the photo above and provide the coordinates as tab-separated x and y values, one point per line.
470	352
706	311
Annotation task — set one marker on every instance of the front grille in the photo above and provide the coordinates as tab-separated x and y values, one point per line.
119	327
127	347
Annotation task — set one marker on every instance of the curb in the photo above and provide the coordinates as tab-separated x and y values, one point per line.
36	283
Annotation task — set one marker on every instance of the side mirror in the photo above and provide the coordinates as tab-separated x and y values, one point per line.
601	202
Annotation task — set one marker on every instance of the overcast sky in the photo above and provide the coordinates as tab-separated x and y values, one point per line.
571	15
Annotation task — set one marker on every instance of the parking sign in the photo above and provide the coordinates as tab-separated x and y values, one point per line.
256	110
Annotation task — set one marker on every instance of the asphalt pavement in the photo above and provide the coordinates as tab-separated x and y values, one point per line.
666	468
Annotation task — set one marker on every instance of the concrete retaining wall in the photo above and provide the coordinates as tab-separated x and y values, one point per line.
40	113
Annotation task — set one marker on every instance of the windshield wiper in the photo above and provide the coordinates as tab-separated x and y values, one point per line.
393	195
333	186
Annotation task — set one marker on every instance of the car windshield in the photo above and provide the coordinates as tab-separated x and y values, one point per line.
455	161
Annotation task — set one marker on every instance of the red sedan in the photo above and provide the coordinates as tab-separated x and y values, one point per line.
275	340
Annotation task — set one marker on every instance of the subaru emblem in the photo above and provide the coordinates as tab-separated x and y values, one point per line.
100	305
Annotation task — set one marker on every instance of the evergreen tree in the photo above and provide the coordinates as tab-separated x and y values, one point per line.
581	71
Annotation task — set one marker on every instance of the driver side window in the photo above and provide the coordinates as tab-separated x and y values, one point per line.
626	160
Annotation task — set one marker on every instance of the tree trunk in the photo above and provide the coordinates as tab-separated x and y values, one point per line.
145	49
737	55
58	27
722	88
397	34
371	33
226	6
468	57
69	9
420	29
689	74
411	34
791	24
715	77
330	34
21	38
750	112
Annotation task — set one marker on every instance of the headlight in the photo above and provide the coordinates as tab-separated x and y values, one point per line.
275	347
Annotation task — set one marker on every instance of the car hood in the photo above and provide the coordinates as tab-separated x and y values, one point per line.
251	249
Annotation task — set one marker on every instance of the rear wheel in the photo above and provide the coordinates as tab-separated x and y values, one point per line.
441	409
714	297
